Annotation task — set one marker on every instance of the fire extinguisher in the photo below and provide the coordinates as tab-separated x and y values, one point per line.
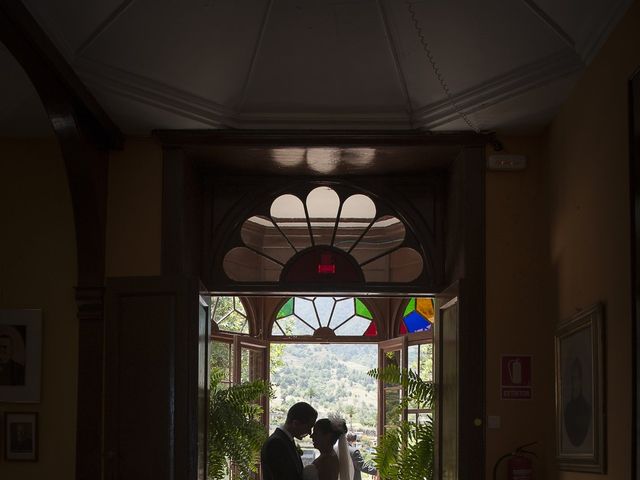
519	466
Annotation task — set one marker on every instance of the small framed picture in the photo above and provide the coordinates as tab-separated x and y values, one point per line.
580	397
20	355
21	436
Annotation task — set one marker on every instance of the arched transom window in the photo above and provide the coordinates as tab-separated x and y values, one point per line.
323	238
324	317
228	315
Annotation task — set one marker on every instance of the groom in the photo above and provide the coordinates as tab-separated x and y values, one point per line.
279	458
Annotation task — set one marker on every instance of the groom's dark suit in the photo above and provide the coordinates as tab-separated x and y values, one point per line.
280	459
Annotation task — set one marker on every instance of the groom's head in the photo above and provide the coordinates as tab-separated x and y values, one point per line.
300	419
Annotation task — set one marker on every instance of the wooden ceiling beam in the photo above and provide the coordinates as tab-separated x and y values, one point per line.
66	99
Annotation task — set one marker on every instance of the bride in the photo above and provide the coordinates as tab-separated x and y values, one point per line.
331	464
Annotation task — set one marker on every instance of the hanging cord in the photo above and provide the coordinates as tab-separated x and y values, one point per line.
436	69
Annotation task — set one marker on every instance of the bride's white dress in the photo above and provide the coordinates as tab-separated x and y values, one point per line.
310	472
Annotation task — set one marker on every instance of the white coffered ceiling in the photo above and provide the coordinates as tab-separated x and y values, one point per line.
152	64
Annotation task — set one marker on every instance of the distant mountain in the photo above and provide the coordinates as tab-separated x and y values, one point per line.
332	377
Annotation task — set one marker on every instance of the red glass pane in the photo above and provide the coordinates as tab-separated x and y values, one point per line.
371	331
326	269
403	328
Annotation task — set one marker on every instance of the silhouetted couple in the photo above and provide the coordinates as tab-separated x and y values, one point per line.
280	457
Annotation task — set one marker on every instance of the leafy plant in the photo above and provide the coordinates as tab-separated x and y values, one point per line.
405	450
235	433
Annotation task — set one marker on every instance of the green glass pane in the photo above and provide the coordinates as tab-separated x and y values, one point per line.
362	310
286	310
411	306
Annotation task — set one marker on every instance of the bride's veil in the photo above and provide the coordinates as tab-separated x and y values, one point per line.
344	459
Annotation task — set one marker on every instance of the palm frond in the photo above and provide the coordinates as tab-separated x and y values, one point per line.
405	451
235	432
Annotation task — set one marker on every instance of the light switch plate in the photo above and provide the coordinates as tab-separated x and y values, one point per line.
493	422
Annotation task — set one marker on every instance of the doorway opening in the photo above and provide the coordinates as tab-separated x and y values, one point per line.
333	378
322	350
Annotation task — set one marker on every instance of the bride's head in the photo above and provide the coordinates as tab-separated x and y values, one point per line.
326	433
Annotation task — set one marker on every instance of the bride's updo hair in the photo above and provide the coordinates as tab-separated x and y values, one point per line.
335	426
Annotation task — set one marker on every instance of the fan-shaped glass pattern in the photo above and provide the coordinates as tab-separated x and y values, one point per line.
418	316
229	315
375	243
324	317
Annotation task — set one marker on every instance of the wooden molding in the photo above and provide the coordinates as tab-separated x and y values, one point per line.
634	202
55	81
314	138
493	91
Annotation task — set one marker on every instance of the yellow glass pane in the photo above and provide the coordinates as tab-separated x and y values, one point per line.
425	308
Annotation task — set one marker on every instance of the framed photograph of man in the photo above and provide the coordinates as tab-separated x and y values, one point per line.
580	396
20	355
21	436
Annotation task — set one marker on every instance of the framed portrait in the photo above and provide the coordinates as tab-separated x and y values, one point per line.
20	355
580	396
21	436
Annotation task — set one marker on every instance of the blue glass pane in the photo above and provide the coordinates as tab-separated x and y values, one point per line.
416	322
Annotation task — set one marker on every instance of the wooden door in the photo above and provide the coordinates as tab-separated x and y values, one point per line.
390	353
242	359
152	365
447	379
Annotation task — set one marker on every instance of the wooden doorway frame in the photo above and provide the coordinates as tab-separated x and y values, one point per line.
634	198
184	252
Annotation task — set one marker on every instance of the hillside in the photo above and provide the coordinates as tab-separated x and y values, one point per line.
333	378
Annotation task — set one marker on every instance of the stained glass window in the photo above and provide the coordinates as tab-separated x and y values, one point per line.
418	316
228	315
324	317
352	227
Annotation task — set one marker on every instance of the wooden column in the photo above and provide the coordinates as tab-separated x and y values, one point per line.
465	265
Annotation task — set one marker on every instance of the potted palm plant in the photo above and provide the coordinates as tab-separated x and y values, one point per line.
406	450
235	431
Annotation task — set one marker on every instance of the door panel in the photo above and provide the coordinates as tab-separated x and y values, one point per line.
252	355
204	327
151	379
460	371
390	352
448	368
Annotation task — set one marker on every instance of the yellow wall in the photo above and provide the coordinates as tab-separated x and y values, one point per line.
134	209
517	309
38	270
589	219
557	241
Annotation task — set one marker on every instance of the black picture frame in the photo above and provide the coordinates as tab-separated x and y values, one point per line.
21	436
580	392
20	355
